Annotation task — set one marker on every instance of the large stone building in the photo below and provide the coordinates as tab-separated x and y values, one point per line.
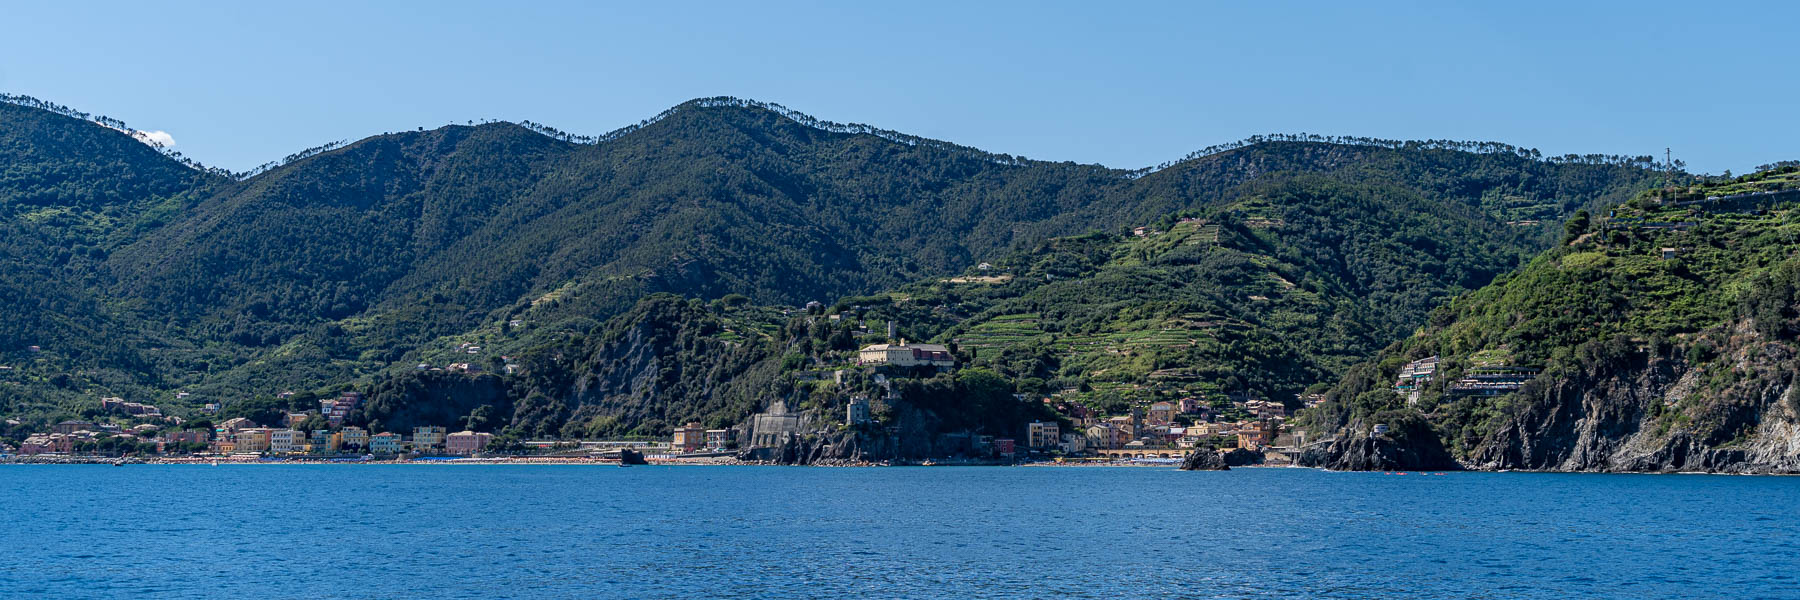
906	355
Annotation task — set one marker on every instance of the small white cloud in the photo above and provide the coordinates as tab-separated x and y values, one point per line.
160	139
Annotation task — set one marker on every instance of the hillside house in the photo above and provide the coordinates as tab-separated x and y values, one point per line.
906	355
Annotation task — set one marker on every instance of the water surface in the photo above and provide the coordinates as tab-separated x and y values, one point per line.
445	531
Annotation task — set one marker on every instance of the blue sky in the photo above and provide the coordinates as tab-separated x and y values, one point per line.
1121	84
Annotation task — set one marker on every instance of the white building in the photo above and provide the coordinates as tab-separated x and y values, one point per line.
286	441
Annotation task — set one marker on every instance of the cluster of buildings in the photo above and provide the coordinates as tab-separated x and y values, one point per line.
1160	426
1479	380
694	438
132	409
242	436
65	436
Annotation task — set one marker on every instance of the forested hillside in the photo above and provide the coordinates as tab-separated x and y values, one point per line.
360	258
1262	297
1661	336
71	192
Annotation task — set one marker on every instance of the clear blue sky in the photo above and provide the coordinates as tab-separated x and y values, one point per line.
1126	85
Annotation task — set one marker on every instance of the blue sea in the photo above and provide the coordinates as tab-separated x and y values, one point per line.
512	531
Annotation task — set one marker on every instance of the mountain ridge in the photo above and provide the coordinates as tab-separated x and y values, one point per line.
349	259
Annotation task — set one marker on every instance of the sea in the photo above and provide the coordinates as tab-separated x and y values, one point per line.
940	533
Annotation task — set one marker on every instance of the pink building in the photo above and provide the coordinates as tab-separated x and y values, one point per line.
44	443
466	442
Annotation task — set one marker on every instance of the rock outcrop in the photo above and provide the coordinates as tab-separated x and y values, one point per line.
1408	446
1204	459
1243	457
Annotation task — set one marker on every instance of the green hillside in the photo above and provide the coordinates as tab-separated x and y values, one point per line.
355	260
1286	286
1659	337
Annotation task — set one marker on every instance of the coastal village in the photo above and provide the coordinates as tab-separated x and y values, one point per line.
1154	433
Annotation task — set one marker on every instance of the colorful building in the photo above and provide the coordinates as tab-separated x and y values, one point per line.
428	438
689	437
386	443
355	437
466	442
1042	436
718	439
286	441
255	439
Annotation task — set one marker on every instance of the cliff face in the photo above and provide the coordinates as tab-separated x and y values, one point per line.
1738	414
662	364
1406	446
1662	337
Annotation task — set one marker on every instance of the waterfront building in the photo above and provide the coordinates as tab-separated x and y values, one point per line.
255	439
45	443
466	442
1042	436
1005	446
428	438
285	441
1106	436
718	439
197	436
355	437
386	443
689	438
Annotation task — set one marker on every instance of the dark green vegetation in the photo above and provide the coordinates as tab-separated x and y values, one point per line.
1664	332
140	276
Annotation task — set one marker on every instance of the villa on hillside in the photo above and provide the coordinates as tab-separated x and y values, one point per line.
906	355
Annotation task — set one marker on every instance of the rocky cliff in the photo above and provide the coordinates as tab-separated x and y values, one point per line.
1653	413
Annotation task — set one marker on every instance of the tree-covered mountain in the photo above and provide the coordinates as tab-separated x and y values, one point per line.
1659	337
71	192
355	258
1286	286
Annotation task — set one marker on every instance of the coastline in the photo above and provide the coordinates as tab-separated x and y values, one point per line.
521	460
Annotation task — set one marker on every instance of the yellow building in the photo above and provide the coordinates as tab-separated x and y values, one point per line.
355	437
427	438
252	440
689	438
1040	435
